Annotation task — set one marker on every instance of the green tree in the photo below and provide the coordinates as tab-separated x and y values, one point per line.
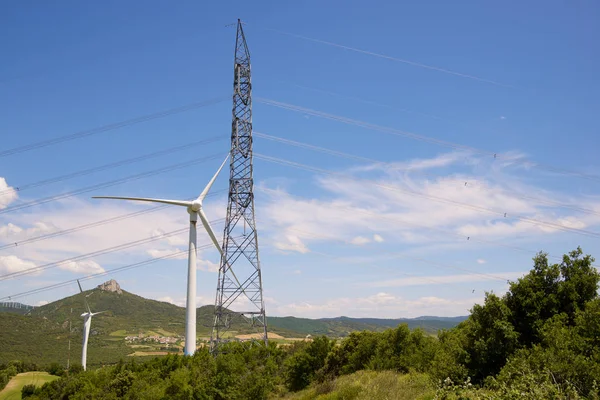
490	338
450	359
302	366
549	290
27	391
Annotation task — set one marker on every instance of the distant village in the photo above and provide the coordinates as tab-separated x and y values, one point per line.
155	339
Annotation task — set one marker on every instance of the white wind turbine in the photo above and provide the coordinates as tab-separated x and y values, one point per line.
194	208
87	323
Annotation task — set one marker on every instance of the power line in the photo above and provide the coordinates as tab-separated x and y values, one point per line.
430	197
110	127
20	188
354	98
86	256
97	223
110	183
395	59
431	228
463	182
396	255
96	275
422	138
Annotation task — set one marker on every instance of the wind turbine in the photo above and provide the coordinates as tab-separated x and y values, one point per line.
87	323
194	208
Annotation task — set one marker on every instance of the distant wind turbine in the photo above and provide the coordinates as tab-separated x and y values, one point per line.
194	208
87	323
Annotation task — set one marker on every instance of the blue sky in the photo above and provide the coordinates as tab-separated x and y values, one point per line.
383	238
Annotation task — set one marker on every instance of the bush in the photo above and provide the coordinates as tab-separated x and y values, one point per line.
55	369
27	391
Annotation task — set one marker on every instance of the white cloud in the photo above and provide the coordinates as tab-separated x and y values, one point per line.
169	299
181	301
481	261
378	305
157	253
8	194
378	238
170	240
73	212
81	267
444	279
10	230
11	264
440	161
292	243
208	266
360	240
420	209
42	303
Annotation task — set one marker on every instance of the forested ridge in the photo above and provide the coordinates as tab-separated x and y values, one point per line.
540	340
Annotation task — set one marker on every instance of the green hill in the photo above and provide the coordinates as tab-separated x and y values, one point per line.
132	323
342	326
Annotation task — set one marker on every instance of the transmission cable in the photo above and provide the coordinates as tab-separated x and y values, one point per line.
103	273
20	188
390	58
430	197
107	250
113	126
378	162
110	183
427	139
396	255
426	227
97	223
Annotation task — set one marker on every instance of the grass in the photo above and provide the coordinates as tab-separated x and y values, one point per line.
371	385
12	391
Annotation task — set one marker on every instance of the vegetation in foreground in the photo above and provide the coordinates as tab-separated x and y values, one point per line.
25	382
541	340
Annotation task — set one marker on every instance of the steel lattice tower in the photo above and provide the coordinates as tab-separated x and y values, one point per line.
239	285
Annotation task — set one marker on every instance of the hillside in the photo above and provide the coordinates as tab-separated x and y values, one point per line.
132	324
342	326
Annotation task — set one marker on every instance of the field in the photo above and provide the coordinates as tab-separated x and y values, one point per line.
12	391
370	385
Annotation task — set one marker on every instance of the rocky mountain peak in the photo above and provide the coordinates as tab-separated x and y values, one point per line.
111	286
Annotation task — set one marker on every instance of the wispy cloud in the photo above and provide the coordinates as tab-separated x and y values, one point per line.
360	240
419	209
441	279
8	194
378	305
11	264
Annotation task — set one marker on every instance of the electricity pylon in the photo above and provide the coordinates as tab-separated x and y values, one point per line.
239	295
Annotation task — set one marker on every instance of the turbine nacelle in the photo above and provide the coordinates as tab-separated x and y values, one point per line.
195	206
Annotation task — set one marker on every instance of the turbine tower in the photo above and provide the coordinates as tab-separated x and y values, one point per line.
194	208
240	243
87	323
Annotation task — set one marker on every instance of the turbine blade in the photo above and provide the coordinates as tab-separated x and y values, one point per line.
84	298
214	178
211	233
209	230
183	203
99	312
